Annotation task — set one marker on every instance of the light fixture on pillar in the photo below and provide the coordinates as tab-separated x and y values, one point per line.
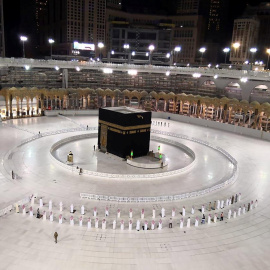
56	68
177	49
168	73
132	72
244	79
78	68
196	75
27	67
107	70
216	76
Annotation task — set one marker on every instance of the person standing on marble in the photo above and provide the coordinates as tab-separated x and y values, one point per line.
236	197
94	148
232	199
12	174
209	207
221	216
138	224
203	219
170	223
55	237
248	206
38	214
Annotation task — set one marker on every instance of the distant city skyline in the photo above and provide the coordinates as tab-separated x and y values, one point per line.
14	27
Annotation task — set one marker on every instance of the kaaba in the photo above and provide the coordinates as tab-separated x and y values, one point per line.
122	130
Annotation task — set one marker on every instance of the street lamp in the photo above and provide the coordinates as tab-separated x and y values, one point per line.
236	46
202	51
51	41
126	47
100	46
151	48
177	49
268	52
226	50
196	76
253	51
23	39
132	54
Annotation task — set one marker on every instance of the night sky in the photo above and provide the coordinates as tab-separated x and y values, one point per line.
13	27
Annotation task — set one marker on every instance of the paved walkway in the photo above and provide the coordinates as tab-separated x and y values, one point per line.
27	243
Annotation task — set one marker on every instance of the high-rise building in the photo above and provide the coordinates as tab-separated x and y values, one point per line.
245	32
67	21
94	21
262	12
213	24
166	32
2	37
117	4
188	7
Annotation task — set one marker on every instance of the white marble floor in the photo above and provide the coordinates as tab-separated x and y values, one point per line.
27	243
87	158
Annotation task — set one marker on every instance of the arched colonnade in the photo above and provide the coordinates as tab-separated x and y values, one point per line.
27	102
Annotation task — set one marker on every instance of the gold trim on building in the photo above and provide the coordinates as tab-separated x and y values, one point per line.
124	128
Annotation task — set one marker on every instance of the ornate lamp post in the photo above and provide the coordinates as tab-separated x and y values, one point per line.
51	41
23	39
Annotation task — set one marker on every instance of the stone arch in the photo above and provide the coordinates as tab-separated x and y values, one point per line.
260	93
233	90
126	97
15	106
23	106
208	82
134	102
3	107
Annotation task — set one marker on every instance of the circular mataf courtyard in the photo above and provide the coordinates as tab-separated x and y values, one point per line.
199	159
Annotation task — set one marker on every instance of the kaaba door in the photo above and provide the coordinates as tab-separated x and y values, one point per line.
103	138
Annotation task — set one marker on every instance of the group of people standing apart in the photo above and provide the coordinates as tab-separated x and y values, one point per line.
160	123
154	224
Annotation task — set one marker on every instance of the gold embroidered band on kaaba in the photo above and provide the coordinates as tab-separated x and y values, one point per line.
123	128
